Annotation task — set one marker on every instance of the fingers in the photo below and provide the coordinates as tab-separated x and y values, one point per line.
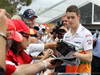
50	51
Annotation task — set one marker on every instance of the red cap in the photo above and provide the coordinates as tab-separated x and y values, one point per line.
21	26
14	35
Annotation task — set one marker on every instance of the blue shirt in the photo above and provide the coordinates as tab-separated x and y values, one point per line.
96	51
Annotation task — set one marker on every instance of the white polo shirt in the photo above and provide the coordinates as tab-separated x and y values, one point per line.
82	37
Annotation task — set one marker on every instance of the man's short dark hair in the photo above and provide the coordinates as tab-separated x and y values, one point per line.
73	8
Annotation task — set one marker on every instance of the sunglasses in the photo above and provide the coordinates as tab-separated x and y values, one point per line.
25	34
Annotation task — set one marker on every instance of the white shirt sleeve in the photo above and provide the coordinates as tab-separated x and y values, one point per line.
35	49
88	42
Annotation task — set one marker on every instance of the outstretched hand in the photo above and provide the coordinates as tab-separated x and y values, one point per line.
52	63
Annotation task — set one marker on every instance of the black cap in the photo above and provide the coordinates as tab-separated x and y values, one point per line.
29	13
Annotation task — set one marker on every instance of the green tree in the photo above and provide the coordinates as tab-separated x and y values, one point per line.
27	1
6	5
11	8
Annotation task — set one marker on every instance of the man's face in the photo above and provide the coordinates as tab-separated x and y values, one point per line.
73	19
31	21
65	20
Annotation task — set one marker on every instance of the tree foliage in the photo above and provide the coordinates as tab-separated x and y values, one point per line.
11	8
27	1
6	5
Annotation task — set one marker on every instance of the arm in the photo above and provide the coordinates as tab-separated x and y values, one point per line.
3	28
46	54
50	45
3	21
2	51
31	69
40	47
28	69
84	55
